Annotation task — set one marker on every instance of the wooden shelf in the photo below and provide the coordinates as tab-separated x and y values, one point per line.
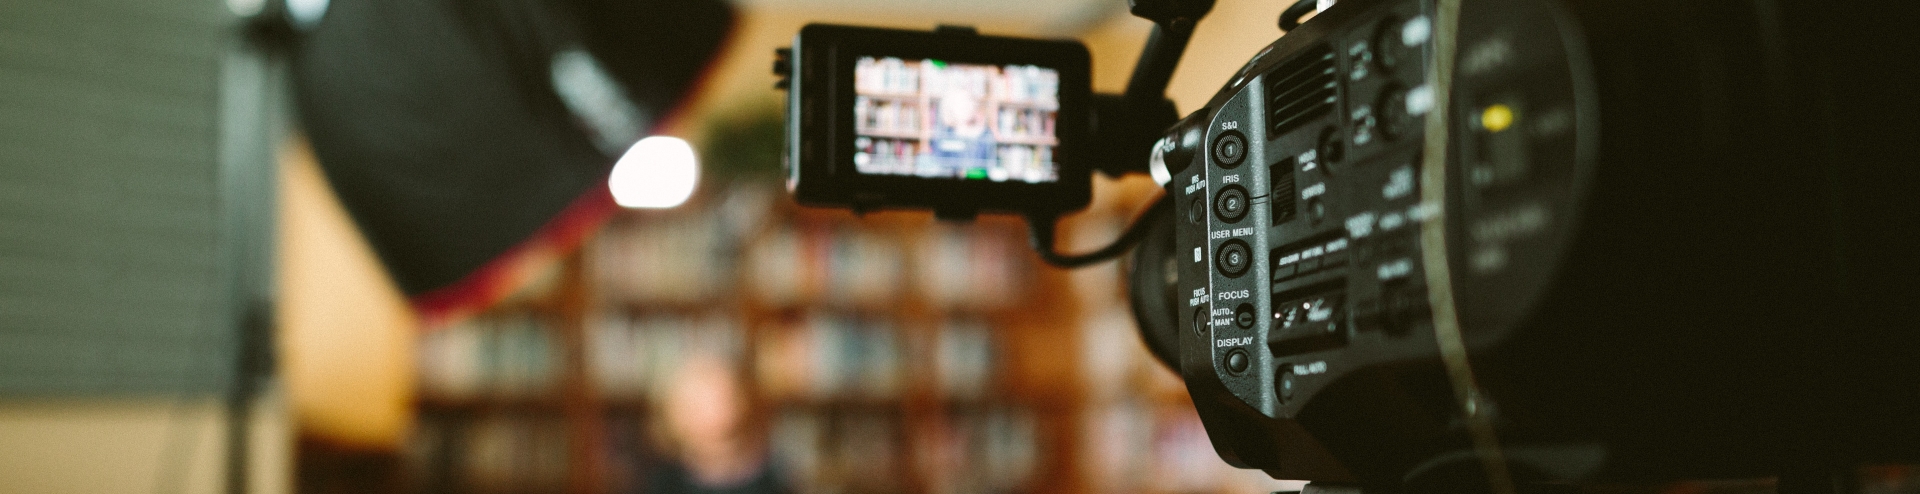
1028	390
888	95
913	135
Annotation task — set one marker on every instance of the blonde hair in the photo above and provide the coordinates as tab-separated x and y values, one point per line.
693	378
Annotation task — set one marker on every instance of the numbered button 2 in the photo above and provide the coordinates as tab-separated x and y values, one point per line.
1231	203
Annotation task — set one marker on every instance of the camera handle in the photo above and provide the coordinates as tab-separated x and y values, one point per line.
1127	126
1173	26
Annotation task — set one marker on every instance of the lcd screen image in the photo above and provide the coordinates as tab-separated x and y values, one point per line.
934	119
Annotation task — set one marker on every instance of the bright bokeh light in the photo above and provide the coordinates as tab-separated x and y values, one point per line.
657	172
306	14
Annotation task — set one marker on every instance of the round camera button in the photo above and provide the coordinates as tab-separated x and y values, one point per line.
1232	203
1233	258
1238	361
1229	149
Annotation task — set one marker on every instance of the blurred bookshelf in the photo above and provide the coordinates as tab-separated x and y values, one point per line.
890	353
883	347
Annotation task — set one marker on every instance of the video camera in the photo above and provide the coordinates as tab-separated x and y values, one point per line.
1448	245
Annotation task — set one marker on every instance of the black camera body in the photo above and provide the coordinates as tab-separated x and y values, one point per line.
1660	239
947	120
1665	254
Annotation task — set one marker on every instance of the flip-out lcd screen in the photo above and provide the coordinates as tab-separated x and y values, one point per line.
931	118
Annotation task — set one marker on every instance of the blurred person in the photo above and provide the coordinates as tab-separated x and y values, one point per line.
963	140
710	433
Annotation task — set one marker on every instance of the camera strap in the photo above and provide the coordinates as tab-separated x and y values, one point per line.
1433	245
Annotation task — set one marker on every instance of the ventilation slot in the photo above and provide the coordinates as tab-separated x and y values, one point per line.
1280	191
1300	90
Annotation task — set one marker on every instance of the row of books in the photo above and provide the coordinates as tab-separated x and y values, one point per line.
964	451
693	258
1031	162
950	266
995	86
681	259
887	75
965	359
510	356
906	119
498	453
824	356
1125	447
1009	84
884	156
1028	84
889	117
974	266
830	357
1029	124
628	355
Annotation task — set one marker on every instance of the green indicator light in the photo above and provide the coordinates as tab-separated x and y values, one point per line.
976	173
937	64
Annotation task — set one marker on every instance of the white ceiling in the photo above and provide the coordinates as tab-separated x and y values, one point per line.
1057	17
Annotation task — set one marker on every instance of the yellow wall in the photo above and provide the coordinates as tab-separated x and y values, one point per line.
346	332
1222	42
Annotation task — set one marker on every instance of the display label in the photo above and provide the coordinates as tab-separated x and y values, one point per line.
1233	342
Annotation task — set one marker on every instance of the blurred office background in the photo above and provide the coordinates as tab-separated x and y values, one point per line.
186	305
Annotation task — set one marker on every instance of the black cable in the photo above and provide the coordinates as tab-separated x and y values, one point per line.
1290	18
1040	231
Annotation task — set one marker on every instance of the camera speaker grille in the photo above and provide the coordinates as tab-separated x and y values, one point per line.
1300	90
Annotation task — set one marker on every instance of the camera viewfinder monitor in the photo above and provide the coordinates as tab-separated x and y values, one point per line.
891	119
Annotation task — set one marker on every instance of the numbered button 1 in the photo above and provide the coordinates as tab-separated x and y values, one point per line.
1230	149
